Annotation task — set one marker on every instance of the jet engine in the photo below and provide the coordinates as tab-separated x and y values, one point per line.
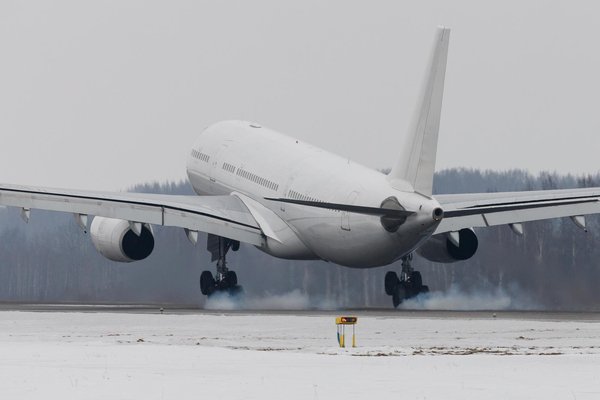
450	247
116	240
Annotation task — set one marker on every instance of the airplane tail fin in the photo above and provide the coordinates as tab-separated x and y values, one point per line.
416	164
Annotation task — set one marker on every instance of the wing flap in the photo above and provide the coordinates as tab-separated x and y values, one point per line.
225	216
27	197
491	209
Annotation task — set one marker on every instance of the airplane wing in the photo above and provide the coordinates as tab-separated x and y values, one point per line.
490	209
225	216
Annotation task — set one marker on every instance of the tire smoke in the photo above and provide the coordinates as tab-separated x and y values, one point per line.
294	300
460	300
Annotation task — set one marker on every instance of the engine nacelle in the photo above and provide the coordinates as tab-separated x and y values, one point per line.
440	248
114	239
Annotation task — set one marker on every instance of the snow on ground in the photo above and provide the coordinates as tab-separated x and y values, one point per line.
100	355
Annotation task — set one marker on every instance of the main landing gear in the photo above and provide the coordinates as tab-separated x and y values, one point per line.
225	280
410	283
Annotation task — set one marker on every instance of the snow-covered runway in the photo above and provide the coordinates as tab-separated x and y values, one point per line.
100	355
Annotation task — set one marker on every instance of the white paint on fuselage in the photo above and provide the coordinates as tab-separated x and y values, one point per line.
283	167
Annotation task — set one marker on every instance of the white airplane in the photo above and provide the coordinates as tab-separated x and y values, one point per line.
297	201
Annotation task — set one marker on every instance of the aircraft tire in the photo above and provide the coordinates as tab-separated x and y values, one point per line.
207	283
399	294
235	290
391	281
230	279
416	279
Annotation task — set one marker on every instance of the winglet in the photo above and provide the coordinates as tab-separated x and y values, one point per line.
414	169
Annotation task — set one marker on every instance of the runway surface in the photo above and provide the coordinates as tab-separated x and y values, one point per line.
132	352
372	312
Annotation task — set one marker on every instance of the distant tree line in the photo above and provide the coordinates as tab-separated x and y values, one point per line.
555	265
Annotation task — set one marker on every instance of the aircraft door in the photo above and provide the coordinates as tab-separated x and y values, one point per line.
345	223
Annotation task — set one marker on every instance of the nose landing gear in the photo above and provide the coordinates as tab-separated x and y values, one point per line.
225	280
409	285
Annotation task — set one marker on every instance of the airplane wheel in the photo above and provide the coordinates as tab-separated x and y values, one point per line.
207	283
391	281
399	294
230	279
235	290
415	279
396	300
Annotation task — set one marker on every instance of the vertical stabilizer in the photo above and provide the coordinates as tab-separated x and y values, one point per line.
414	169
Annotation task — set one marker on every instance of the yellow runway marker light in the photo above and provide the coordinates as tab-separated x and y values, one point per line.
341	323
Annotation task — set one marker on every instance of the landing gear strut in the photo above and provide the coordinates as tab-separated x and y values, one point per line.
224	280
410	283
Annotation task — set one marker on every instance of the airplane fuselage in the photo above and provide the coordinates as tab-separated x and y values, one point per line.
236	157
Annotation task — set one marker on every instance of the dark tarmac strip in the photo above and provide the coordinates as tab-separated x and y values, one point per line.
370	312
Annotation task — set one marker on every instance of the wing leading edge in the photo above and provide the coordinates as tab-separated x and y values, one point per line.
225	216
491	209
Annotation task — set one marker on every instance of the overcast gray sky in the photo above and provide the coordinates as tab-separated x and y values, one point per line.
101	95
